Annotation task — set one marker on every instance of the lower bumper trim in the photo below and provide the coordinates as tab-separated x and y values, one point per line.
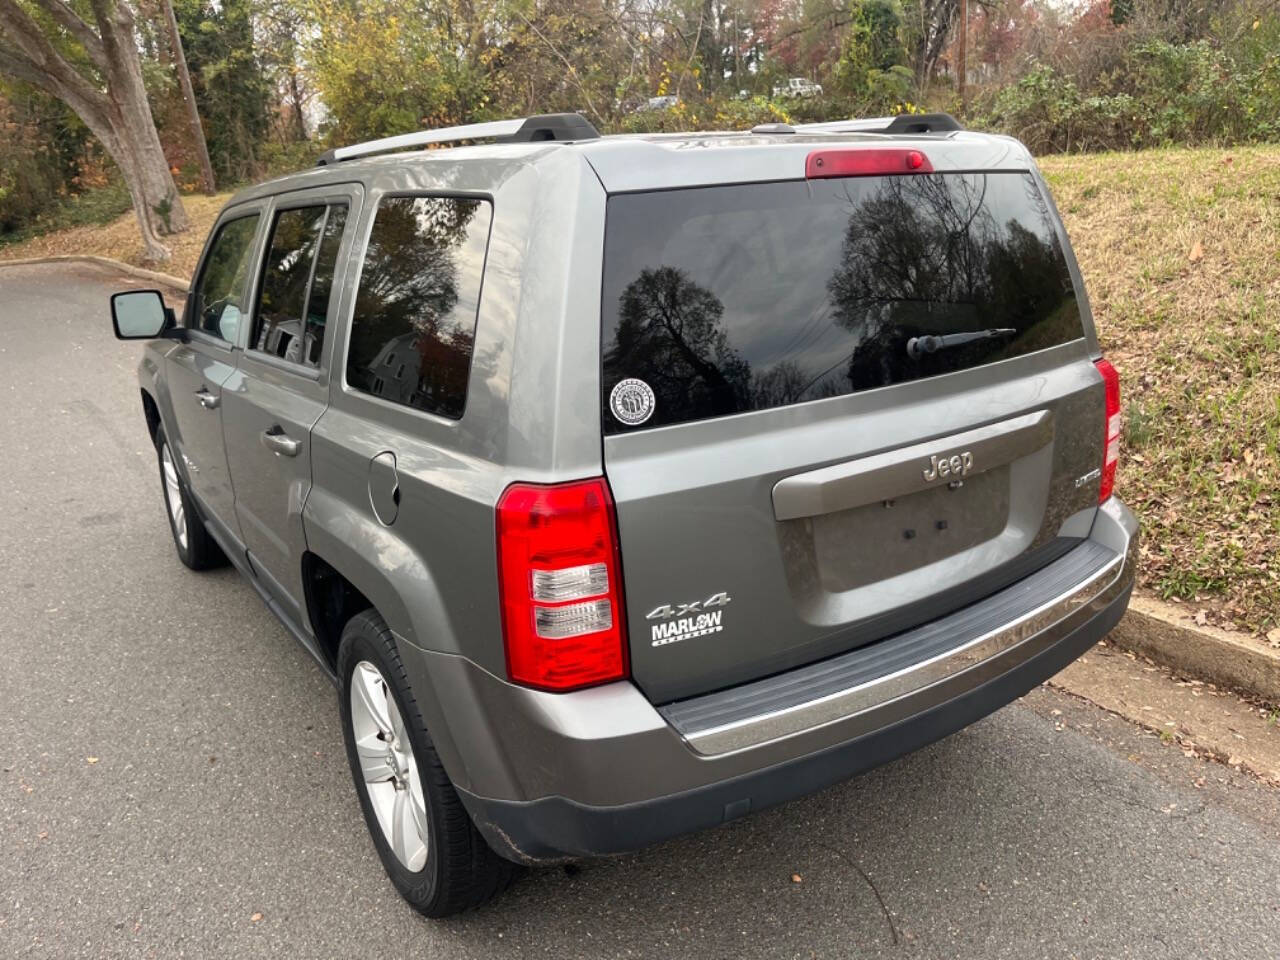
555	828
858	683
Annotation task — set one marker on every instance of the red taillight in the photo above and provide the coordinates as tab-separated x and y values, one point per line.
561	587
1111	430
865	162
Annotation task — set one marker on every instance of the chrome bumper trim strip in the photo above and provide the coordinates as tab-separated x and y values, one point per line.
895	696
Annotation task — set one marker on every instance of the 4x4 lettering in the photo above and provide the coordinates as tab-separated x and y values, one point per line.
666	611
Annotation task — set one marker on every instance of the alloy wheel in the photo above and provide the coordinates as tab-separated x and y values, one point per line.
173	496
388	766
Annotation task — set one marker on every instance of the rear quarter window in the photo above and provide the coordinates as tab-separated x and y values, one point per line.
413	327
743	297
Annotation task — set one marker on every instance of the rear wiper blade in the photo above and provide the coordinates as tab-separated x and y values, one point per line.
917	347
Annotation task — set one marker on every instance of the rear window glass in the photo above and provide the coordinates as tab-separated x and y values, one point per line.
735	298
413	328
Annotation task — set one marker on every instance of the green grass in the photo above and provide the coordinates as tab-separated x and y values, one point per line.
1180	251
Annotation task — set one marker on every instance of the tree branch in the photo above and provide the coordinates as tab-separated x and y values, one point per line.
72	23
31	49
15	65
573	74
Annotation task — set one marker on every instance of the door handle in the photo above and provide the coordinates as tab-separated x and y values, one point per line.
280	443
208	400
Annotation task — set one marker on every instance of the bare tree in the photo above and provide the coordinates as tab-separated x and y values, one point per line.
106	92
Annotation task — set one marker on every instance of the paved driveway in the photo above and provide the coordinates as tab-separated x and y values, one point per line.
172	780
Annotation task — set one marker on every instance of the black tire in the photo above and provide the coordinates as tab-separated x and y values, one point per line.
197	549
461	871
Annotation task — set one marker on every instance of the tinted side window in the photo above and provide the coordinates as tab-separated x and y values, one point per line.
219	300
293	299
413	328
322	281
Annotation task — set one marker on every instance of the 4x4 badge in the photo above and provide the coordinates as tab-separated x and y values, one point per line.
667	611
632	401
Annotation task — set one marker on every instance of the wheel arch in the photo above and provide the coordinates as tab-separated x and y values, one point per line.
151	411
340	541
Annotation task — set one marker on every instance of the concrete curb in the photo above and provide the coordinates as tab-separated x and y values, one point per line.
1167	635
154	276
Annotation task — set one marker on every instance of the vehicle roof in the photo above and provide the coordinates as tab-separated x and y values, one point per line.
628	162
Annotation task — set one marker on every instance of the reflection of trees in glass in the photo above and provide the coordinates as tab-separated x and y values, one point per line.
222	281
285	279
717	320
924	254
408	293
669	334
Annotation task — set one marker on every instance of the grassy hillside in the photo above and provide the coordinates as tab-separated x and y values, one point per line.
1180	250
1181	253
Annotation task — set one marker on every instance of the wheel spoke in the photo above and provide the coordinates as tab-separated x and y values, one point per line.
372	697
399	836
417	804
397	723
375	762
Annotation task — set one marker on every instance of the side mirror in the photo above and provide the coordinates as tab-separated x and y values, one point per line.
141	315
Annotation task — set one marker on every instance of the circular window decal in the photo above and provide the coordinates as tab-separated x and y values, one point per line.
632	401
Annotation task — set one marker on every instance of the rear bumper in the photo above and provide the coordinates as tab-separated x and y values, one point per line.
603	772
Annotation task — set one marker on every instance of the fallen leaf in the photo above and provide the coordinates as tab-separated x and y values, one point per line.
1273	636
1197	252
1201	617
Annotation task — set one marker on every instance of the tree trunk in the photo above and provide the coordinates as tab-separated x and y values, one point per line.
295	95
120	117
189	95
133	124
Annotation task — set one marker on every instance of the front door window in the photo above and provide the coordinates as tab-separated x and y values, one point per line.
219	300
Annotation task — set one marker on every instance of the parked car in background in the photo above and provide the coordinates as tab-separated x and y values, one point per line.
800	87
661	103
625	486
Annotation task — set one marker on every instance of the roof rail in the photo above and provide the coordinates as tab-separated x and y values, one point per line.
547	126
903	123
923	123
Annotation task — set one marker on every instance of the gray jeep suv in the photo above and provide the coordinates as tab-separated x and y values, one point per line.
628	485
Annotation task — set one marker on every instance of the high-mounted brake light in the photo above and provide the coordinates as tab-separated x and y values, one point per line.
561	585
1111	430
865	162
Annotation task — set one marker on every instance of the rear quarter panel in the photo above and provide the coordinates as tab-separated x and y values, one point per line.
531	410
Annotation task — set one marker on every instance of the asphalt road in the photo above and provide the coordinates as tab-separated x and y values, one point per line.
172	780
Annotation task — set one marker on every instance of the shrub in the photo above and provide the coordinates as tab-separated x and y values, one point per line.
1159	94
